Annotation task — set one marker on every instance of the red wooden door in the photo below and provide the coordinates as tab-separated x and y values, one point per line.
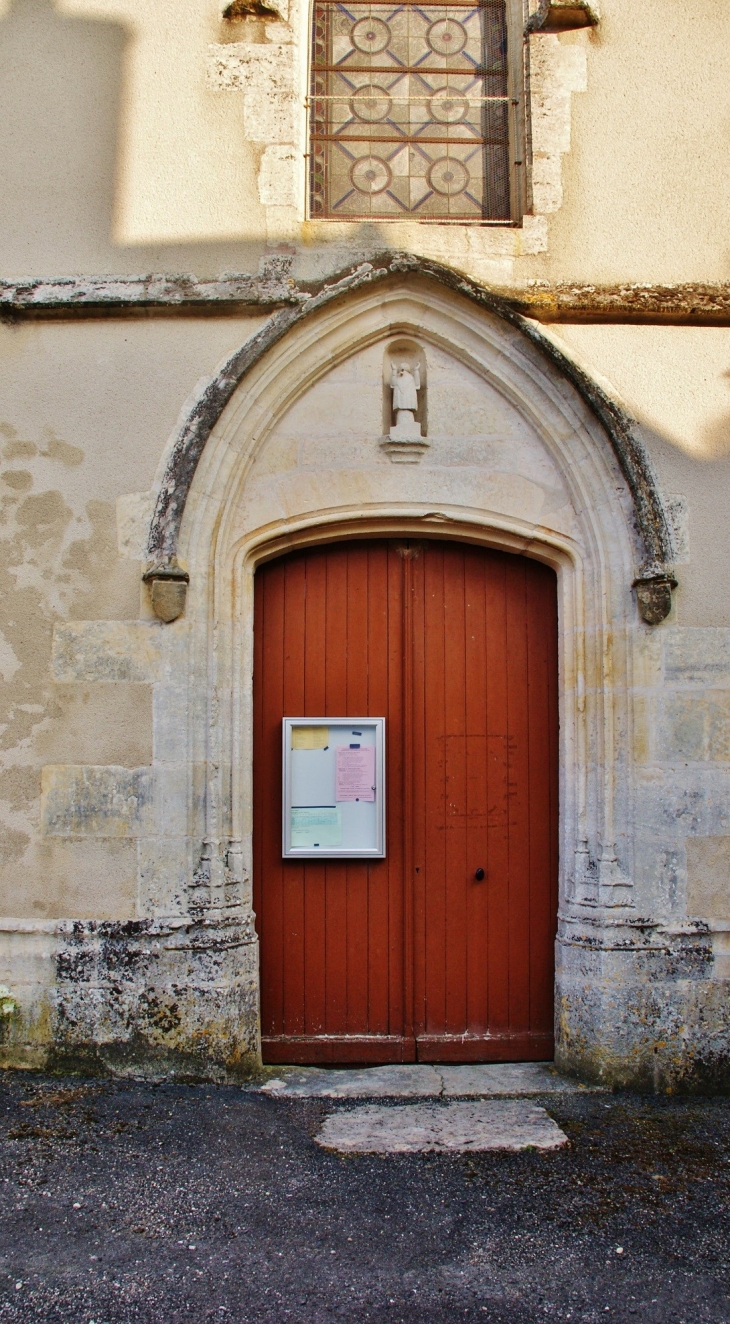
413	957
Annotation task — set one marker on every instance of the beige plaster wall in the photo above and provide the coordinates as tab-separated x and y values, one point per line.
646	177
676	382
141	135
86	411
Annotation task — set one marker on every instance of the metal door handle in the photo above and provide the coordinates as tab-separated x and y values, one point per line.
479	875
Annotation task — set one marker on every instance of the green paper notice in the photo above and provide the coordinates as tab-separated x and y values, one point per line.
316	827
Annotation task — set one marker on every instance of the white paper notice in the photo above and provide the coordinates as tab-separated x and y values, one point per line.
316	827
355	772
312	777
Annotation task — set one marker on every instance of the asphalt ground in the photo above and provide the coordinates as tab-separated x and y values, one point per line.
124	1201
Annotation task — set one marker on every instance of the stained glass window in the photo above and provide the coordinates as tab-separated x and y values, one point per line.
410	111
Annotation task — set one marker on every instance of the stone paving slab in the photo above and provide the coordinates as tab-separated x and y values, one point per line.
490	1080
422	1081
436	1128
391	1082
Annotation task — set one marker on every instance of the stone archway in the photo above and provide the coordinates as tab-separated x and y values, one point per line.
288	446
523	463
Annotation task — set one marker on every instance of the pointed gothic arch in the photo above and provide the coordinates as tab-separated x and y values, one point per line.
232	493
653	577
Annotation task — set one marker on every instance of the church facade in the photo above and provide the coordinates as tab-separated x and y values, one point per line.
365	365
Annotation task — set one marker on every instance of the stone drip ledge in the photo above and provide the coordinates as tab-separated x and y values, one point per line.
691	304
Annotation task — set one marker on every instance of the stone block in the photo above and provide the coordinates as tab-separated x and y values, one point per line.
708	877
697	656
99	724
80	800
718	727
391	1082
173	783
27	960
106	651
134	512
678	515
672	804
695	726
646	1013
166	867
265	73
278	176
682	727
495	1079
93	878
146	999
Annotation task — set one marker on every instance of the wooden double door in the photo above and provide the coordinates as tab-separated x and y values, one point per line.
415	957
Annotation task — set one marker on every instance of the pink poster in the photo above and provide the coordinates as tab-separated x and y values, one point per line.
355	772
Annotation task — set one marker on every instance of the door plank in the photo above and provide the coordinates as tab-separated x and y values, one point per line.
269	902
477	910
310	627
433	810
519	799
293	879
384	878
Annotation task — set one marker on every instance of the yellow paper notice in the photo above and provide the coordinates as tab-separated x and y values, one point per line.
310	737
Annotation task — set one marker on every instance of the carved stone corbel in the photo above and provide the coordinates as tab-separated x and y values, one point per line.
563	16
240	9
654	596
168	589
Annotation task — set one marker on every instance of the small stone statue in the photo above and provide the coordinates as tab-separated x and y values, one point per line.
405	383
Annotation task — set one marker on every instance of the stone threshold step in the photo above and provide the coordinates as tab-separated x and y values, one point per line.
428	1128
421	1081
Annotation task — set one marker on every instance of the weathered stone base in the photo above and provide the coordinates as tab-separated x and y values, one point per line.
641	1010
143	999
638	1005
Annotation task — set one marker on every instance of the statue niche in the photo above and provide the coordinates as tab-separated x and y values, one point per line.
404	401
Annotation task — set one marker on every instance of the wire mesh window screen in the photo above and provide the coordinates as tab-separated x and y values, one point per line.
410	111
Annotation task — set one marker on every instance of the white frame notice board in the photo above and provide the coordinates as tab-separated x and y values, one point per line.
340	796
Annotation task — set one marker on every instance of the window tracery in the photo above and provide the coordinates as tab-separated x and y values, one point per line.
411	111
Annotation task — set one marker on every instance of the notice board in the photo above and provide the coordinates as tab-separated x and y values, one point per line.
334	787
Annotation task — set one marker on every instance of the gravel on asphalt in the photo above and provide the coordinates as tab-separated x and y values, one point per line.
126	1201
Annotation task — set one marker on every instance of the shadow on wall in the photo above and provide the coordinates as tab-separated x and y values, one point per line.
717	434
58	76
60	104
